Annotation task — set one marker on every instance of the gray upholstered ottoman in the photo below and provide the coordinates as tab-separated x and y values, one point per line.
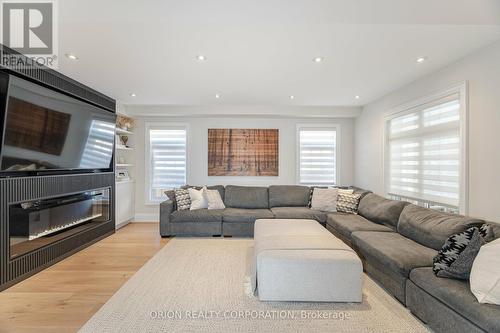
299	260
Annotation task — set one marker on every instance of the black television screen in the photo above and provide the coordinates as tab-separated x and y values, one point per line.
44	130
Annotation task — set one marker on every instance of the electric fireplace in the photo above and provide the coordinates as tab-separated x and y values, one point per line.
57	181
34	224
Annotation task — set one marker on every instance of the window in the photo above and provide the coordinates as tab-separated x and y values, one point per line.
425	153
317	155
167	160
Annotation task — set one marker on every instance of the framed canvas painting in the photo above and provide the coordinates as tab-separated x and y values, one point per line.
243	152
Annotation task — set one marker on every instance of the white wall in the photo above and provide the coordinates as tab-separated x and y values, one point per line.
198	145
482	71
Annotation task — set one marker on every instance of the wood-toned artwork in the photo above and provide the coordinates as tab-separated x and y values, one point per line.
243	152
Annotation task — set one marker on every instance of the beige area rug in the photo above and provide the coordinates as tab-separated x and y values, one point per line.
202	285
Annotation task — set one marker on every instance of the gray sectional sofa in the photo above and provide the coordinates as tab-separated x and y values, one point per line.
396	241
244	205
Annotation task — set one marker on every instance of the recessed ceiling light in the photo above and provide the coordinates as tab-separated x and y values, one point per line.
133	95
292	97
318	59
357	97
201	57
421	59
71	56
217	96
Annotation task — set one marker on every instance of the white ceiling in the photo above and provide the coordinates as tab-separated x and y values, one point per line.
261	52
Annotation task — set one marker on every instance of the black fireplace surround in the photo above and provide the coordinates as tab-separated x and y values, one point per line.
47	217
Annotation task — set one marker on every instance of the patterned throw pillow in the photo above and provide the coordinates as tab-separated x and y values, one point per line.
348	202
462	266
182	198
311	191
171	196
455	245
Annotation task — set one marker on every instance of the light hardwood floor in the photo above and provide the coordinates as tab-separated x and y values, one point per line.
64	296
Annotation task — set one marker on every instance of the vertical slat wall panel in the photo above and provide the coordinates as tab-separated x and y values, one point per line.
13	190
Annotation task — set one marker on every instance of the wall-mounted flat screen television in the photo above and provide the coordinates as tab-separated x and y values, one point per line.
44	131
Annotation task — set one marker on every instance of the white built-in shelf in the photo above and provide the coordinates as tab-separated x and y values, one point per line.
124	147
121	131
121	165
125	181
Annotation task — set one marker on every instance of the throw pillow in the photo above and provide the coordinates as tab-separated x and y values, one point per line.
171	196
461	267
455	245
182	199
214	199
485	274
348	202
198	199
311	191
325	199
346	191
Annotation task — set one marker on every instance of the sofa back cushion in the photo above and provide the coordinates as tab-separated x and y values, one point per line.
359	190
381	210
496	229
246	197
288	196
430	227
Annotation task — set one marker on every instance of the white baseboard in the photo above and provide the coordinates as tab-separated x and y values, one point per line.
148	217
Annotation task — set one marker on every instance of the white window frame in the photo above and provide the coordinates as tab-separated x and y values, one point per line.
462	90
338	143
150	125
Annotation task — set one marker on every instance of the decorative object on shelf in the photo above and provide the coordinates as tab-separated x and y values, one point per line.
243	152
122	175
125	123
121	160
124	140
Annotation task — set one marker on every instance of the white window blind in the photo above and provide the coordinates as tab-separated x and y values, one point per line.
317	156
424	153
168	160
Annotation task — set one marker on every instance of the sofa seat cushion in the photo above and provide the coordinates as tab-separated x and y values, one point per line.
240	215
246	197
305	213
345	224
430	227
381	210
392	251
456	294
198	215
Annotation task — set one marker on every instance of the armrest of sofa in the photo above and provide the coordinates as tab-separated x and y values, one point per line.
166	208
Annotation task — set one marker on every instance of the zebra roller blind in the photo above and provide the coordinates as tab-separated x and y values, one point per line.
168	160
423	155
317	156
